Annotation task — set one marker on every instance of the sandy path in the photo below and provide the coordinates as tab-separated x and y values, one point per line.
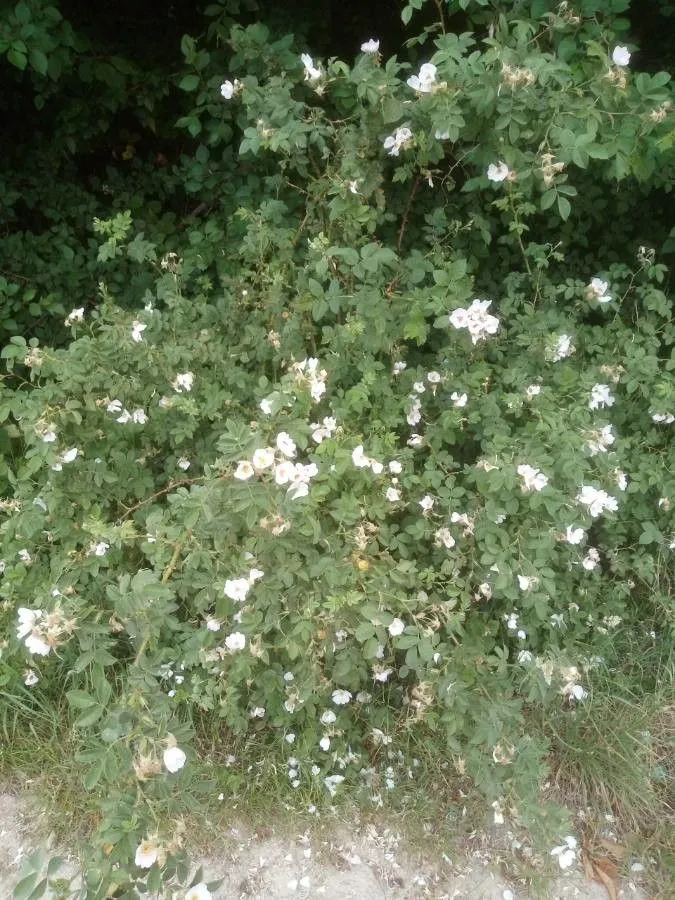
368	863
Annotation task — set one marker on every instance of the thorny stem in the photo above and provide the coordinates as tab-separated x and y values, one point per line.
516	221
439	7
165	490
404	221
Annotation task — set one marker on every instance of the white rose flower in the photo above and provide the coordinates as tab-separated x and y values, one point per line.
284	472
146	854
237	589
75	315
30	678
574	535
286	444
396	627
312	72
401	139
621	56
445	538
425	81
596	500
137	329
199	892
601	396
533	479
244	470
183	382
597	290
370	46
341	697
359	458
332	782
263	458
498	172
174	759
235	641
37	645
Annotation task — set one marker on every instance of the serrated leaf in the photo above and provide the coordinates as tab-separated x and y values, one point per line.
88	717
80	699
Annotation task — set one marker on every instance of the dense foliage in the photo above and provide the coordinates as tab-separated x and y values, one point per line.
344	415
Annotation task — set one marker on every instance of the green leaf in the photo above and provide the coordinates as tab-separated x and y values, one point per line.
564	208
22	12
80	699
88	717
17	58
93	776
25	887
38	61
548	199
189	82
54	865
39	890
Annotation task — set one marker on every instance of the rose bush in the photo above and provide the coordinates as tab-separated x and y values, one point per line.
385	450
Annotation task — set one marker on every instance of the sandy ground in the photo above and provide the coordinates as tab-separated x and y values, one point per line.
367	863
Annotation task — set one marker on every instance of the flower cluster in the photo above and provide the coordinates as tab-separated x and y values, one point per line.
476	319
401	139
308	374
42	632
550	167
598	441
278	460
137	416
323	430
596	500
